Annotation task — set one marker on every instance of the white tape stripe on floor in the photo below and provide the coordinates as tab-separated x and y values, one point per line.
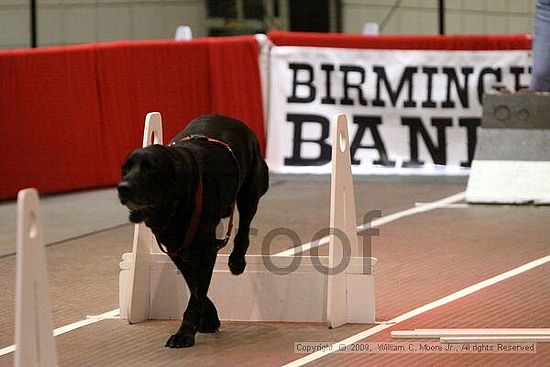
420	310
379	222
90	320
449	206
75	325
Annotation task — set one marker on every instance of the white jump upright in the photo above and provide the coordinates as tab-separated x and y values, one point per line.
342	218
34	340
350	291
295	288
137	299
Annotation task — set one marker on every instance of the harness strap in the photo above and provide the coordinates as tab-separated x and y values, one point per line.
195	219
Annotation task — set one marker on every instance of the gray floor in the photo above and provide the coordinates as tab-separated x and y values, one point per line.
66	216
71	215
88	236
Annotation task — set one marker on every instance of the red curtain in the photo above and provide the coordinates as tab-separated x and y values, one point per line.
399	42
70	115
234	81
50	129
137	78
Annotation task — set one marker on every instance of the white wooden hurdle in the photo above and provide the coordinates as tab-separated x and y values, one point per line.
34	341
476	335
135	302
152	288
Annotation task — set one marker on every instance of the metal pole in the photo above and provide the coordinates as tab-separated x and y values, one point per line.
34	42
441	17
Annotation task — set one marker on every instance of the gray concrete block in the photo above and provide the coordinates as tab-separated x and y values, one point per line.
513	144
516	111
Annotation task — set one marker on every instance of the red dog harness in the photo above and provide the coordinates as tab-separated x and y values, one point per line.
195	219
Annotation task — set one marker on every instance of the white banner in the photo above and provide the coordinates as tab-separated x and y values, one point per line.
410	112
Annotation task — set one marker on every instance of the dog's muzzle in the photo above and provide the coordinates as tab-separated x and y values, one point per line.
127	196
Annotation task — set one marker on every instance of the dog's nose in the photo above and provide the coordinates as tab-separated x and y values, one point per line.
125	190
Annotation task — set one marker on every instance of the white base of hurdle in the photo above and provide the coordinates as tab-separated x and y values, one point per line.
258	294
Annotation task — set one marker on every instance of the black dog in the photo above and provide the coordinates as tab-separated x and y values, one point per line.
183	190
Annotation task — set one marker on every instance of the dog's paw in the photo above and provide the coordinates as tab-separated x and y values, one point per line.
236	264
209	325
181	340
209	321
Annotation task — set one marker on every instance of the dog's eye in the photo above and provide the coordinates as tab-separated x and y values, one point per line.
126	168
147	166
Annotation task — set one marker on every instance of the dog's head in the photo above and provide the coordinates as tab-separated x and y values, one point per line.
148	182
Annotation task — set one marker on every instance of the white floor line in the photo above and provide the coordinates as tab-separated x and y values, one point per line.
75	325
420	310
379	222
7	350
448	206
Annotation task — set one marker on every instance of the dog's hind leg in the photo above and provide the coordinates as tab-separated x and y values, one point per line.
247	202
197	274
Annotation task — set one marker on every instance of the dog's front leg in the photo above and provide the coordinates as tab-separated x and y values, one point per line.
237	262
197	273
247	202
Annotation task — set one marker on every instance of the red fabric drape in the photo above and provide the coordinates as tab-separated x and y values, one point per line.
50	129
135	78
400	42
234	81
70	115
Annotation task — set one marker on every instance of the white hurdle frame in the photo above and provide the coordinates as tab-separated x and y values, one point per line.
154	289
137	301
34	340
342	217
